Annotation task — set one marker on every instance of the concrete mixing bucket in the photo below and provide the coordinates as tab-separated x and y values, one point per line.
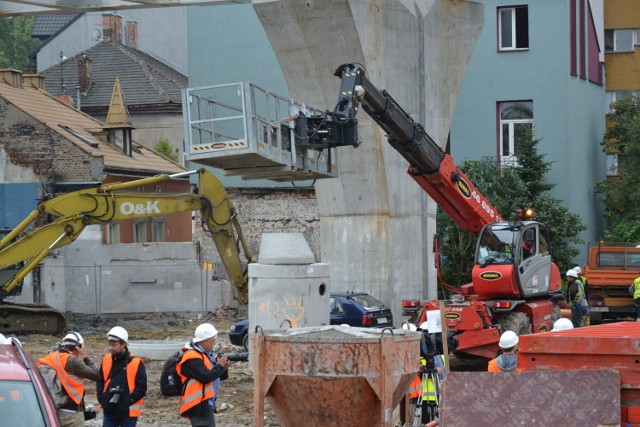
332	375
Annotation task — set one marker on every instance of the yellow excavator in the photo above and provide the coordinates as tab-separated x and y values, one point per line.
20	251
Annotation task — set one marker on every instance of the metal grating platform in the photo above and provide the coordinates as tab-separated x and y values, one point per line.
247	131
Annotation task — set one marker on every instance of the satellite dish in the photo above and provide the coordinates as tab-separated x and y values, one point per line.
95	36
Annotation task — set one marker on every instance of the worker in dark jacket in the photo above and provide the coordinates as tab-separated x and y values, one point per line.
576	298
122	383
199	371
64	370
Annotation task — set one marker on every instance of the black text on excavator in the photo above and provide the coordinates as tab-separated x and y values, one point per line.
20	252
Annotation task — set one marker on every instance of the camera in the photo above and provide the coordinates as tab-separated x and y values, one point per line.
115	395
89	413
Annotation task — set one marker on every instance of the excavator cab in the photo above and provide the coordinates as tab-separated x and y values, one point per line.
513	259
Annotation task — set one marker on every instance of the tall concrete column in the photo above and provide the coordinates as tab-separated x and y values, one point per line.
377	225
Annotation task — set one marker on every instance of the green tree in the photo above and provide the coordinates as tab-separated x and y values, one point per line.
621	194
164	147
510	188
16	42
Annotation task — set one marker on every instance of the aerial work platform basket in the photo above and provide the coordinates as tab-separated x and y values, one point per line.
250	132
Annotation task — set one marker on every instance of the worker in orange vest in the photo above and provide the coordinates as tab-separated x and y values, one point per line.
508	360
122	385
198	370
63	371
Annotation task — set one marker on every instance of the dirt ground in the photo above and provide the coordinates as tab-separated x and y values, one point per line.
235	403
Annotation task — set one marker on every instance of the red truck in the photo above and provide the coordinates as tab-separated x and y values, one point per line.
515	284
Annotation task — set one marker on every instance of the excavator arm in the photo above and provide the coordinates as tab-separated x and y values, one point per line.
111	203
429	166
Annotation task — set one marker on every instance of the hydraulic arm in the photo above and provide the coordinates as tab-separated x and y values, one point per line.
429	166
109	203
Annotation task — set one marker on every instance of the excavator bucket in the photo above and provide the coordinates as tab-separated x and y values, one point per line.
542	398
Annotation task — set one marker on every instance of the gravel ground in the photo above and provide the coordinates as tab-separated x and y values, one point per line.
235	402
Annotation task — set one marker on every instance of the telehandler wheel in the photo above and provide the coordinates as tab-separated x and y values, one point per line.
517	322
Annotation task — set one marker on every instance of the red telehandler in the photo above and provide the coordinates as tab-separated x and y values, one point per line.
514	282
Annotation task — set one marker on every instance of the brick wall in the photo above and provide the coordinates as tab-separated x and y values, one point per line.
29	144
269	211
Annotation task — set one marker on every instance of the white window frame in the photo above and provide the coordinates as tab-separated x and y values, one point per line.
510	159
616	33
612	96
158	230
140	230
113	233
612	164
512	29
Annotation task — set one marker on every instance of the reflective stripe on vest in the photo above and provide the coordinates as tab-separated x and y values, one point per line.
414	388
429	392
135	409
73	385
194	391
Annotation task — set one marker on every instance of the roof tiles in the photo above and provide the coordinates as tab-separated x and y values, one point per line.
54	114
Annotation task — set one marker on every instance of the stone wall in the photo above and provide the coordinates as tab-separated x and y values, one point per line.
269	211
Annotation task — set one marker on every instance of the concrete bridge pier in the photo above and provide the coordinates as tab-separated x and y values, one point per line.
377	225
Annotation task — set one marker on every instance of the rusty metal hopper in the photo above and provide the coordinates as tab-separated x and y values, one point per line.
332	375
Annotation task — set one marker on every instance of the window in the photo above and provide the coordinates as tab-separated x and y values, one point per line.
516	122
335	306
157	229
613	96
612	164
140	231
513	28
619	40
113	233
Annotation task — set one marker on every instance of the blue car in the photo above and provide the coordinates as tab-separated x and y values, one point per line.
354	309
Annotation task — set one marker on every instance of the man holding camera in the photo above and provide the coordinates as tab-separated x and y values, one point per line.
201	373
122	383
63	371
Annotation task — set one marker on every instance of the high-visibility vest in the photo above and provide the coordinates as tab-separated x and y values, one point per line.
194	391
580	294
636	288
414	387
72	384
132	371
429	392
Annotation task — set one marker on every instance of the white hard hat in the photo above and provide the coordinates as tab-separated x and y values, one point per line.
409	327
204	332
508	339
562	324
424	326
72	339
572	273
118	333
577	269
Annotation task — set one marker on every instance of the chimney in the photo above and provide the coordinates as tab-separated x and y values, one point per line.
84	73
132	34
112	27
33	80
11	77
